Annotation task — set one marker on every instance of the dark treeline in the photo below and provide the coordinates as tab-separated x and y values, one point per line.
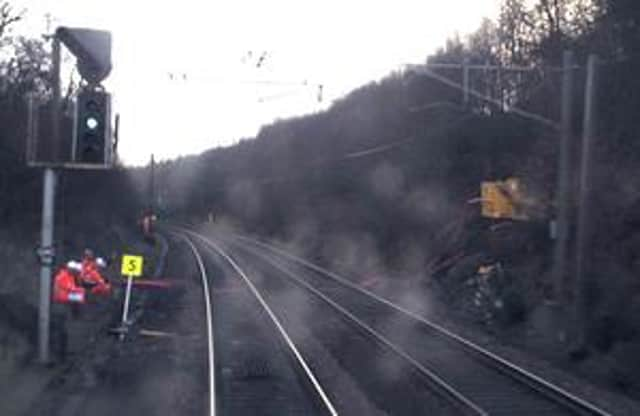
386	177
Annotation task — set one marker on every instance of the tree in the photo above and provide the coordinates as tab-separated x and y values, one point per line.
8	17
515	33
559	24
24	69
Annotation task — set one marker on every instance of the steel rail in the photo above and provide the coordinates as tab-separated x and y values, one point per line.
430	375
518	373
208	313
213	247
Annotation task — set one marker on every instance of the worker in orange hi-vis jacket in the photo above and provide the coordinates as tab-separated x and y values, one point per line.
65	287
90	276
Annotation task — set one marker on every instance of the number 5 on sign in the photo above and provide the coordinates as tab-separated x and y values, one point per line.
131	265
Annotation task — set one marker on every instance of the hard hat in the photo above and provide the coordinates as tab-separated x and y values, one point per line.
100	262
74	265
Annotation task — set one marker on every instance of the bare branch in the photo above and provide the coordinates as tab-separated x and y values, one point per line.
550	15
8	17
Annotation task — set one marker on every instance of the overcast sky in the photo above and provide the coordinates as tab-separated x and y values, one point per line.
186	75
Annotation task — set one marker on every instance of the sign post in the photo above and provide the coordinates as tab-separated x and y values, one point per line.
46	250
131	267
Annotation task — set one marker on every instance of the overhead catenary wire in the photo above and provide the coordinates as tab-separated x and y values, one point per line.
354	155
504	68
367	152
423	70
376	150
317	86
284	94
349	156
183	76
494	67
429	106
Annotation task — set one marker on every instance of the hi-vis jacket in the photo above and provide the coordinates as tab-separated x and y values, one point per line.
65	289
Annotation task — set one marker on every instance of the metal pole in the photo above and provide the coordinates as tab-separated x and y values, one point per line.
500	90
46	258
465	81
564	183
48	216
125	308
152	185
487	81
584	214
56	104
32	129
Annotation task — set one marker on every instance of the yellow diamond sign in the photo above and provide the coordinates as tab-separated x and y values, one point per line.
503	199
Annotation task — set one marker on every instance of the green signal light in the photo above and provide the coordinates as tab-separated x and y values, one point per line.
92	123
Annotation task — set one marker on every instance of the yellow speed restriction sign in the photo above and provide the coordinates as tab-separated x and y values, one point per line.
132	265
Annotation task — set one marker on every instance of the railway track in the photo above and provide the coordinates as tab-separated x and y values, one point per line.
209	326
393	381
257	369
494	385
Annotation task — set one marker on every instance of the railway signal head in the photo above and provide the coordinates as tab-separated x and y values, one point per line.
92	132
92	49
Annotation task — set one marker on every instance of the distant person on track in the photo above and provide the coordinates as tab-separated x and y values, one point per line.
90	276
148	225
